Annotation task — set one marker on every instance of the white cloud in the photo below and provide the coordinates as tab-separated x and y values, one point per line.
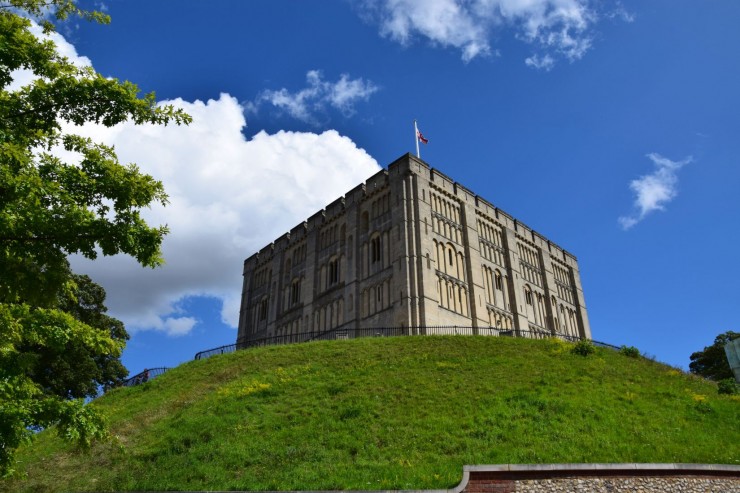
655	190
446	22
229	196
178	326
24	76
555	28
320	94
621	13
545	62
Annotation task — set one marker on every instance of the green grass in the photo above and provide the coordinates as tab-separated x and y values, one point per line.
397	413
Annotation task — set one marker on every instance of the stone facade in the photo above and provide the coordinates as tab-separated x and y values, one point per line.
732	350
410	248
600	478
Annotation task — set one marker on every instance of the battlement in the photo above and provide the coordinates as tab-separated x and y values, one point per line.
410	247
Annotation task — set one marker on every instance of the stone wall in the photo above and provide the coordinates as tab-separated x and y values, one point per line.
601	478
411	248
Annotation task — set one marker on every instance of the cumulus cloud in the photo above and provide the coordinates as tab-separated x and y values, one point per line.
655	190
229	196
555	28
446	22
24	76
314	99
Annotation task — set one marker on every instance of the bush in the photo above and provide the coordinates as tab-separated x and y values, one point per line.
583	348
630	351
728	386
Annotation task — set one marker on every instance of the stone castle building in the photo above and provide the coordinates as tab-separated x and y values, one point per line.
412	249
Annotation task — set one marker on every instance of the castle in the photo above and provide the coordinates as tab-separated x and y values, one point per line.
411	249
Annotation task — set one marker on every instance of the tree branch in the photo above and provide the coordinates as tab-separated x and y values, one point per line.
29	239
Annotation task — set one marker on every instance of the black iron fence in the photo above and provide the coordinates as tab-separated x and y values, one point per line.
355	333
144	376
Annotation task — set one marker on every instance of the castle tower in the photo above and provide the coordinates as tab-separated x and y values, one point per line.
411	249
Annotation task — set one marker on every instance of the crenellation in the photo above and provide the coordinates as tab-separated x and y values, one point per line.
335	208
463	193
265	254
411	247
354	196
484	207
443	181
376	182
282	242
506	219
298	232
315	221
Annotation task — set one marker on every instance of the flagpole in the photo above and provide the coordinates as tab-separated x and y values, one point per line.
416	139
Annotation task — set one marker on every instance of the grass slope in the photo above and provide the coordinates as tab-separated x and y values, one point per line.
388	414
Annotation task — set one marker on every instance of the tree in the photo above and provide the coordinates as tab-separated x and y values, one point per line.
712	361
71	370
50	209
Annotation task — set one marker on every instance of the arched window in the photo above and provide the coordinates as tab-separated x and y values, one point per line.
487	283
295	291
439	255
333	272
365	222
264	305
375	250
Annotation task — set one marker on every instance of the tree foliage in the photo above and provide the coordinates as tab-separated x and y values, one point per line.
712	361
56	343
71	370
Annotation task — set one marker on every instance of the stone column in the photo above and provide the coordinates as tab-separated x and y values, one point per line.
581	313
474	267
516	282
309	283
548	278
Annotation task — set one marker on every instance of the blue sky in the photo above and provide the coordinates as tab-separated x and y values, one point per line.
608	126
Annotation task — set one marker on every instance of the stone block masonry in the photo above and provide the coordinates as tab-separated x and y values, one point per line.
590	478
601	478
411	248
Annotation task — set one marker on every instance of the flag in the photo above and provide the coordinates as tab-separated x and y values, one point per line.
419	138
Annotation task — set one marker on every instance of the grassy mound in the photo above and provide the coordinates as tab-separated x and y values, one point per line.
395	413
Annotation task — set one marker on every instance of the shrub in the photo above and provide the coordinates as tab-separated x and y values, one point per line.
630	351
583	348
728	386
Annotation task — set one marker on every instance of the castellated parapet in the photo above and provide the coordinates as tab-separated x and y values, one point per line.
410	248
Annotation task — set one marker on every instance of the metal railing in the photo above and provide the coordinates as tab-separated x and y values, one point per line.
144	376
360	332
229	348
355	333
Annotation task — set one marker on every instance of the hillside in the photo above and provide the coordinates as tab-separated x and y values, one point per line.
388	413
